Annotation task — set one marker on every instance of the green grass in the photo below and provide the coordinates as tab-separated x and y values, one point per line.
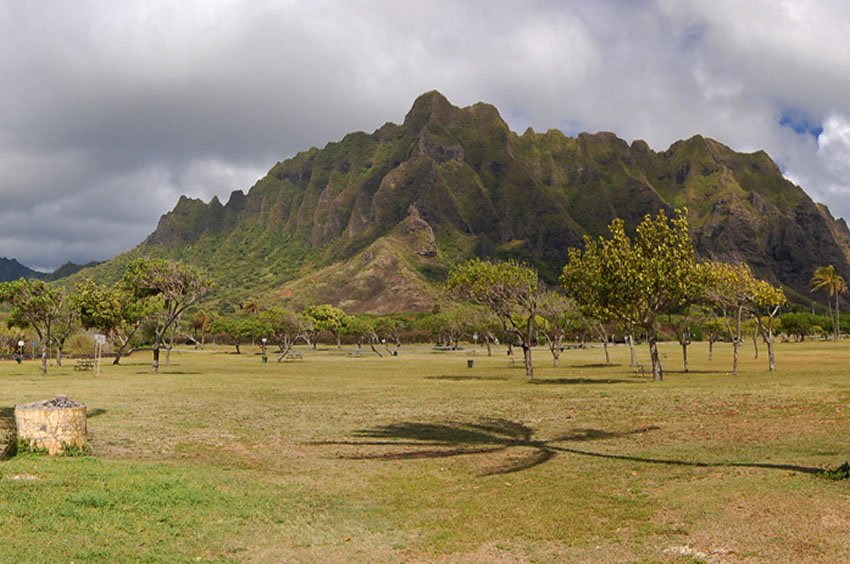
417	457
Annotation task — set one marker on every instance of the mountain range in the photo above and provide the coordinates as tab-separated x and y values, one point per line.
374	221
11	269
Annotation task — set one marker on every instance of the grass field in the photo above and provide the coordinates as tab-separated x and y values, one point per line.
418	457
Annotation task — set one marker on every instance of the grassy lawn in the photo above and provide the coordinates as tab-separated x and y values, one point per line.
417	457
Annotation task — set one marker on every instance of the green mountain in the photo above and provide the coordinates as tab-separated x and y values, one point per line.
373	222
11	269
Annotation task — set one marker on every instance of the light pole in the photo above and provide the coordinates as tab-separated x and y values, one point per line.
263	348
20	351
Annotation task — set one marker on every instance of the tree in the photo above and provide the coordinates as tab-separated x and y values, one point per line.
765	303
200	324
712	328
556	316
362	329
34	305
798	325
178	286
241	329
636	281
285	327
65	324
827	278
728	290
509	289
115	310
681	323
737	293
326	317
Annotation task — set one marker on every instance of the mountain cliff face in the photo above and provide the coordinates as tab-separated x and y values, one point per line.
373	221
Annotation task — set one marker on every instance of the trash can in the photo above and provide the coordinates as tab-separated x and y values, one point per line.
469	363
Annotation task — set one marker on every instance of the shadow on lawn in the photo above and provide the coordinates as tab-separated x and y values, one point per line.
465	378
490	436
568	381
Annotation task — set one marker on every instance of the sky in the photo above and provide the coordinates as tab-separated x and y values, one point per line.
109	111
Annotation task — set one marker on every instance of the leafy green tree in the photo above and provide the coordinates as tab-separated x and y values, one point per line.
798	325
729	290
711	327
34	305
326	317
286	328
556	315
765	303
241	329
509	289
67	322
636	281
115	311
362	329
738	293
199	326
827	278
178	285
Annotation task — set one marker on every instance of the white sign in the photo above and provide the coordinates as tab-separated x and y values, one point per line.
100	339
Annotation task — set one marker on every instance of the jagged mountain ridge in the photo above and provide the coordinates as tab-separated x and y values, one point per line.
373	221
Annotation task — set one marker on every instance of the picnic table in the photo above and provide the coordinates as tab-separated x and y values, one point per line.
83	365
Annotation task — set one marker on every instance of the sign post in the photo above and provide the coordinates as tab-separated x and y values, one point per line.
99	341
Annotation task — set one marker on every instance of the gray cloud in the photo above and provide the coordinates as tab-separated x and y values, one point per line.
110	112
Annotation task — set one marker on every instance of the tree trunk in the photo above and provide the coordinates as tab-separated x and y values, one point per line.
710	348
529	369
736	339
556	352
756	344
338	341
237	348
837	318
735	344
632	351
685	355
603	336
156	356
657	372
58	355
767	335
43	357
487	344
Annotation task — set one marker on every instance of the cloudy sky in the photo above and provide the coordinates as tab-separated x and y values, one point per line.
110	110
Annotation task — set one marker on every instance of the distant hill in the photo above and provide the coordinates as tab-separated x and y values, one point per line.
11	269
373	222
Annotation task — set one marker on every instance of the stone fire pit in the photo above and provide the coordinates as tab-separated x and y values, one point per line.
53	425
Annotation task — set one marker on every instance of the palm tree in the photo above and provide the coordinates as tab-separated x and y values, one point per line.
826	278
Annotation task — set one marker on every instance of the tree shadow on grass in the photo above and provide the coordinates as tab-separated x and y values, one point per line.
595	365
568	381
465	378
492	436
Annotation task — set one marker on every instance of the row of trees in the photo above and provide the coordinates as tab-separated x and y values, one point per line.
633	282
153	293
